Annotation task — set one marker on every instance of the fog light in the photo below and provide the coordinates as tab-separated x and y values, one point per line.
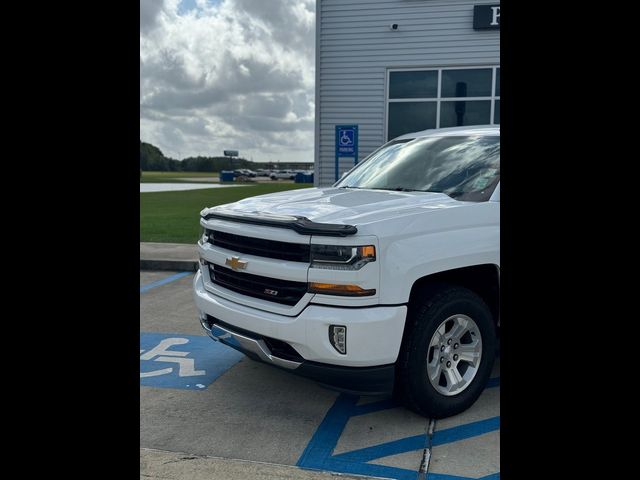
338	338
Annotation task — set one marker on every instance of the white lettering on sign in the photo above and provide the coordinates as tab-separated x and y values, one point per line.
495	15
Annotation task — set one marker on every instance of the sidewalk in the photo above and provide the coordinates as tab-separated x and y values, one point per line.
168	256
158	464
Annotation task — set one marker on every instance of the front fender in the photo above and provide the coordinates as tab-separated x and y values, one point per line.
420	250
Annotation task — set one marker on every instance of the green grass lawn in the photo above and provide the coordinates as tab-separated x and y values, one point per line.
165	177
173	217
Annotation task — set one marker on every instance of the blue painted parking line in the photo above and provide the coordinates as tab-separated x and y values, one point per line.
319	451
164	281
404	445
189	362
468	430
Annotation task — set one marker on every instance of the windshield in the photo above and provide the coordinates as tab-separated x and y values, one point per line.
466	168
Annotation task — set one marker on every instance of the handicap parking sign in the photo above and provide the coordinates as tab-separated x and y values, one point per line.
346	147
346	140
183	361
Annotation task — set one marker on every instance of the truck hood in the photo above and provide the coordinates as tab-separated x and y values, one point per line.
343	205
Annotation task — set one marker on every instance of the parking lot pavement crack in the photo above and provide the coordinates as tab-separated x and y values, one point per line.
426	454
181	459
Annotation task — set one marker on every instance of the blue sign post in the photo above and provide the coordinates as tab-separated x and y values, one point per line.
346	144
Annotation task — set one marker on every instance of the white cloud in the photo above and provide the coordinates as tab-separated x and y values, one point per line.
149	10
228	74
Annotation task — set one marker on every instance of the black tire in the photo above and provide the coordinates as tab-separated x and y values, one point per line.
413	387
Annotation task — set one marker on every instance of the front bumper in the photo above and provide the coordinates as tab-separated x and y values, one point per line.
376	380
374	335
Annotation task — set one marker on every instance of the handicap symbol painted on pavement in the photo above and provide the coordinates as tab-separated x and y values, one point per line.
183	361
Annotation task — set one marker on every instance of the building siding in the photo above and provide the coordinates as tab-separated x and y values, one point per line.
355	47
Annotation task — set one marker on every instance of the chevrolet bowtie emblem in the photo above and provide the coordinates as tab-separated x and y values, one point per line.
235	263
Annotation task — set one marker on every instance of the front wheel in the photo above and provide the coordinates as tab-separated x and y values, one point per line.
447	354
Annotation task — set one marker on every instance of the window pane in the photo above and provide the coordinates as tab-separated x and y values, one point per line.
467	83
497	82
413	84
458	114
496	113
407	117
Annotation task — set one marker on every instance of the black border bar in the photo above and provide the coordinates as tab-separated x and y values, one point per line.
301	225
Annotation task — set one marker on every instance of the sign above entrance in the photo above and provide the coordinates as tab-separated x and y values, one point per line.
486	17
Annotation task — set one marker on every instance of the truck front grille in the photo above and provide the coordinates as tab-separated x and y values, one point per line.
272	289
294	252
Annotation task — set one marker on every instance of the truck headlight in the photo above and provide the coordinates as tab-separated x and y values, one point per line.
342	257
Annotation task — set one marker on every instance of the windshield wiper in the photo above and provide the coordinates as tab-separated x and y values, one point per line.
400	189
394	189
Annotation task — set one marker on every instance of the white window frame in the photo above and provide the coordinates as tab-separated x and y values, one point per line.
439	98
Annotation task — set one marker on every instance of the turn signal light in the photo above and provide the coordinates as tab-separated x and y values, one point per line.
369	251
343	290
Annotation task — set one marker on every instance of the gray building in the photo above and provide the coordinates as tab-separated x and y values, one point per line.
390	67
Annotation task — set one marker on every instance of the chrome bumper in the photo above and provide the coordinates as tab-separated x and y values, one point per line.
246	344
376	380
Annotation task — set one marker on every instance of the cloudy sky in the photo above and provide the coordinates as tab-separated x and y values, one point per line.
228	74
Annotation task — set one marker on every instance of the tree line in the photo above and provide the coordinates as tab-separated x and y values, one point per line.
153	160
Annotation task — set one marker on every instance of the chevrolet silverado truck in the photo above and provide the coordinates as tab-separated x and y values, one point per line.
388	282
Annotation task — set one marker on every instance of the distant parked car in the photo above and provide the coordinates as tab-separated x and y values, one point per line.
282	175
261	172
244	172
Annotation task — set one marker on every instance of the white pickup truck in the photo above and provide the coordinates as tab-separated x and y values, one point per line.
387	282
282	175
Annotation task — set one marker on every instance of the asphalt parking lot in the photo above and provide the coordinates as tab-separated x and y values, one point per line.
201	398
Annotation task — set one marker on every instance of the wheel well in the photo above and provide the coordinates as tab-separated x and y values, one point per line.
484	280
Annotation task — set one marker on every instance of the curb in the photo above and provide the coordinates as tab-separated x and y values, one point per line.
176	265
